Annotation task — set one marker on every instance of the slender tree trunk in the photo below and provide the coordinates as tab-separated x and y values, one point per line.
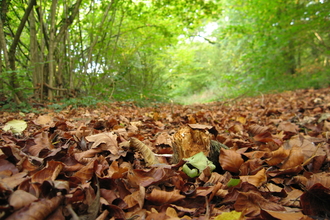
51	50
13	77
1	70
12	53
34	57
55	39
94	40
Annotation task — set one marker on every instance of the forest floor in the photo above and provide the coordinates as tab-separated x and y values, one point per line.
79	163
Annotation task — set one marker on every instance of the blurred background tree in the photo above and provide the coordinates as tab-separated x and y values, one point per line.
156	50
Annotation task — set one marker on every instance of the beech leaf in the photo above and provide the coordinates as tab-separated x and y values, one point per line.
15	126
230	160
233	215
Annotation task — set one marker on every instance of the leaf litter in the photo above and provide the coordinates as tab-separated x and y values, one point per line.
112	161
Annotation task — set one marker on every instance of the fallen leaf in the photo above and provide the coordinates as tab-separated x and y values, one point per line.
15	126
109	140
251	203
294	159
315	200
267	214
20	198
230	160
44	120
257	180
278	156
233	215
136	198
37	210
50	172
163	197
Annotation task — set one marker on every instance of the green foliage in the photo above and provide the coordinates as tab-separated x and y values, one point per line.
11	106
86	101
147	51
260	47
112	49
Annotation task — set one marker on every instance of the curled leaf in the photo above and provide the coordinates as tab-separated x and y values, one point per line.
20	198
257	180
196	164
148	155
37	210
162	197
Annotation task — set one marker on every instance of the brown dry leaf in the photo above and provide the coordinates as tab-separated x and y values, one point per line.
266	137
315	201
273	188
20	198
326	126
292	199
115	171
257	180
237	127
241	119
280	135
87	154
299	179
221	193
288	127
14	180
230	160
200	126
8	167
251	203
308	147
322	178
163	139
267	214
163	197
45	120
251	167
278	156
50	172
136	198
255	129
27	165
148	156
109	140
215	178
147	177
92	193
289	171
171	212
42	142
295	158
87	172
257	154
37	210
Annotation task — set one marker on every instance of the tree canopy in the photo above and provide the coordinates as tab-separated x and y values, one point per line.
160	49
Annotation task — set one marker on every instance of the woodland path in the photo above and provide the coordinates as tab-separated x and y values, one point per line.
78	163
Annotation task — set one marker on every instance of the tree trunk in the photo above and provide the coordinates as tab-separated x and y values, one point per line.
51	50
12	54
55	39
34	58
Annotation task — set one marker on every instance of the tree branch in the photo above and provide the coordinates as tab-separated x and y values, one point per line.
13	46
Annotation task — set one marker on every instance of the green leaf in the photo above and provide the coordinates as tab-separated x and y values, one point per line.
233	215
16	126
233	182
190	172
196	164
